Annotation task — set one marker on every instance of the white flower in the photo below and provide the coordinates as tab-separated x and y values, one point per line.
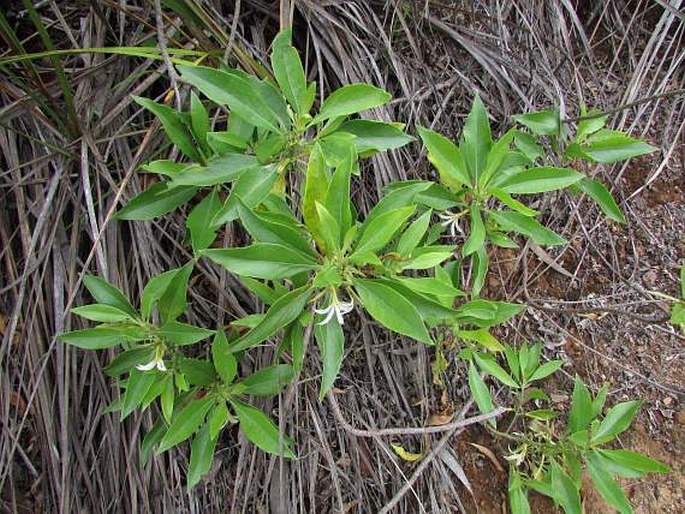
452	220
157	362
337	309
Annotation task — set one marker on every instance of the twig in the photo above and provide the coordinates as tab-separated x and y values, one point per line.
665	94
461	423
161	40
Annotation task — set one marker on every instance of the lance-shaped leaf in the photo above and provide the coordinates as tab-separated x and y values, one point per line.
288	71
476	139
268	381
351	99
252	187
235	91
99	338
201	455
199	222
155	201
600	194
315	190
185	423
175	125
376	136
283	312
527	226
105	293
540	180
331	342
218	171
391	309
260	430
262	260
447	159
380	230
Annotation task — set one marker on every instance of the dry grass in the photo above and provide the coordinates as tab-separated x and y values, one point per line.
70	143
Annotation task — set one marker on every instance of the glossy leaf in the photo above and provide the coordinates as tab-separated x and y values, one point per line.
199	222
185	423
351	99
380	230
480	392
99	338
217	171
540	180
288	71
182	334
546	122
607	487
155	201
260	430
268	381
515	222
102	313
391	309
477	237
376	136
283	312
447	159
105	293
331	342
600	194
201	456
262	260
616	421
476	138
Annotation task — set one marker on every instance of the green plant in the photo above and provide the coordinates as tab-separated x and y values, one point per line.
548	454
678	307
313	257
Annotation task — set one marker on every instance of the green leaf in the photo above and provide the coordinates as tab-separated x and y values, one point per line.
174	124
217	420
428	257
173	301
262	260
616	421
155	201
154	290
677	314
338	197
480	392
491	367
497	157
102	313
329	229
391	309
265	229
590	125
518	496
167	398
181	334
375	136
447	159
128	360
251	188
546	370
481	262
198	372
283	312
581	413
221	170
235	91
601	195
351	99
151	440
512	203
315	190
199	120
540	180
682	281
430	310
224	362
609	146
476	239
164	167
185	423
635	461
411	237
565	491
105	293
476	139
268	381
137	386
546	122
380	230
288	71
99	338
431	286
528	146
529	227
201	456
199	222
483	338
331	342
260	430
608	488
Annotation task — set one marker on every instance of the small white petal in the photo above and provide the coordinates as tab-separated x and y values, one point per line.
445	223
339	316
146	367
346	307
329	317
447	215
453	229
160	365
324	311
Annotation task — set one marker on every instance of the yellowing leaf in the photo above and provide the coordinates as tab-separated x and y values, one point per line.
405	455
